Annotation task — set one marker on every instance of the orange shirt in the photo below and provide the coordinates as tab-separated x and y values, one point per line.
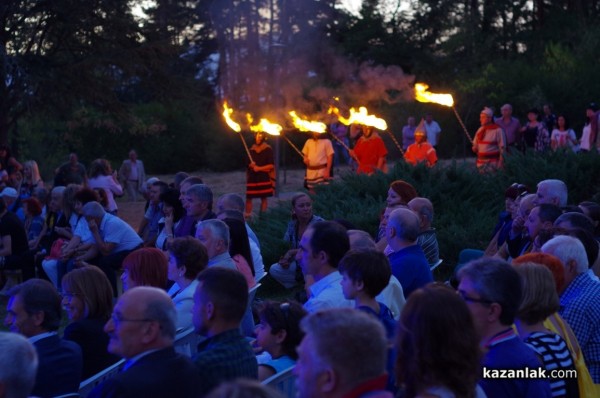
423	152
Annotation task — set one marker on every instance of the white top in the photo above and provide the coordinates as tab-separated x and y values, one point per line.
585	137
317	151
433	130
184	301
393	297
327	293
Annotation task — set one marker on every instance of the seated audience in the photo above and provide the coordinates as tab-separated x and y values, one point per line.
492	290
145	267
440	361
408	261
187	258
322	246
343	354
102	176
34	222
87	299
173	212
34	311
423	208
278	334
142	331
18	365
540	301
220	301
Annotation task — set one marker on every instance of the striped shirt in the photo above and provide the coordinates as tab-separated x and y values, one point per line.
555	354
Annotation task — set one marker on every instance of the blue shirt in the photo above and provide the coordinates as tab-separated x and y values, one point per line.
410	267
580	307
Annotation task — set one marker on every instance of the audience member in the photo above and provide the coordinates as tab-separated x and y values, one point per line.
510	125
580	301
145	267
400	193
88	299
535	134
187	258
114	238
187	226
18	365
279	334
34	311
178	178
427	239
198	203
492	290
553	192
14	247
173	213
220	302
433	130
142	331
343	354
440	361
132	176
512	199
214	235
539	301
408	262
408	132
244	388
149	226
31	179
286	271
102	176
322	246
71	172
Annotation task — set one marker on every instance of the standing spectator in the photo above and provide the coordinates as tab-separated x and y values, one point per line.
535	134
34	310
318	158
433	130
341	132
142	331
489	143
258	176
102	176
408	133
563	136
132	175
510	125
71	172
369	152
588	136
548	118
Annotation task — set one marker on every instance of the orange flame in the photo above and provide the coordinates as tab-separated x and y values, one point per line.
227	111
307	125
264	125
360	117
422	95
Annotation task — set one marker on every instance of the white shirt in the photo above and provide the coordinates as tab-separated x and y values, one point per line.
327	293
433	130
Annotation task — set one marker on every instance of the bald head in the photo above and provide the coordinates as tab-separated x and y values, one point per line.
402	228
423	208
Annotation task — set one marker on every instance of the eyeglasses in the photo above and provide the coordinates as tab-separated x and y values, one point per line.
117	319
470	299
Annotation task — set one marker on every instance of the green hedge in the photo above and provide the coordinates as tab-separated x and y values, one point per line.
466	202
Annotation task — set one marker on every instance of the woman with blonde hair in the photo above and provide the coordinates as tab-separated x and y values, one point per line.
31	178
88	301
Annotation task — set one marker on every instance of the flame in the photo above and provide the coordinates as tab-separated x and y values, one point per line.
360	117
264	125
227	111
307	125
422	95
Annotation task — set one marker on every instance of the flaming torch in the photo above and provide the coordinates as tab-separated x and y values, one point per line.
362	117
227	112
422	95
305	126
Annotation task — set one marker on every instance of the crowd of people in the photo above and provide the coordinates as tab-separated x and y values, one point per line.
363	314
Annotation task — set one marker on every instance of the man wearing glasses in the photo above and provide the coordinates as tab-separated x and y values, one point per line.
142	330
492	290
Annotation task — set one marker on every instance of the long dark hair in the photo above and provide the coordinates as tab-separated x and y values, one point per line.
238	241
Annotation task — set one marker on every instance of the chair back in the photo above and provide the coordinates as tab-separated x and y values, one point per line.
86	386
284	382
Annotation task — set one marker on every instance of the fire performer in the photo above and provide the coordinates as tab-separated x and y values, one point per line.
259	183
369	152
318	158
489	143
421	151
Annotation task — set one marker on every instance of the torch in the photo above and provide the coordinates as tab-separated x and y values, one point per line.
422	95
227	111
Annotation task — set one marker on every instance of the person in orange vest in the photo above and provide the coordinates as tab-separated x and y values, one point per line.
421	151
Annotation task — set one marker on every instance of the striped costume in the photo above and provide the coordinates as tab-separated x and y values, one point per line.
489	144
